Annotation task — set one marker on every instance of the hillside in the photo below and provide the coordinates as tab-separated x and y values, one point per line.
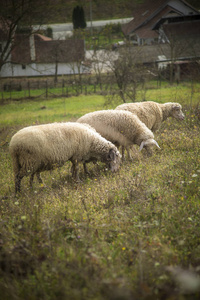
101	9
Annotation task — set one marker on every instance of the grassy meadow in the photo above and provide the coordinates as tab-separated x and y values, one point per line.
130	235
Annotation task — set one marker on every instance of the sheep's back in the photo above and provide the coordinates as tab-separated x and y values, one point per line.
55	142
118	126
148	112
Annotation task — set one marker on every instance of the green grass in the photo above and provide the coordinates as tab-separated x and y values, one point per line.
46	111
113	236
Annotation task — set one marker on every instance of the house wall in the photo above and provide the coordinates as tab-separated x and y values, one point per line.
17	70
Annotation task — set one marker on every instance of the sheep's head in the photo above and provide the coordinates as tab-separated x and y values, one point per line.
176	111
147	144
113	159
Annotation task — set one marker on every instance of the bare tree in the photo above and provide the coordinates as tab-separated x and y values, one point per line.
15	15
129	73
101	64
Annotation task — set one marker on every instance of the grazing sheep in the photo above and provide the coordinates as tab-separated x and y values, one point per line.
122	128
152	114
44	147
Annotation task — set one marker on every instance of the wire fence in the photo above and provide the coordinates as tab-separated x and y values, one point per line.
19	90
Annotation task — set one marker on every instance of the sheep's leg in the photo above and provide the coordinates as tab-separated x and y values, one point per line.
31	180
123	153
85	168
75	170
18	179
72	169
39	178
129	154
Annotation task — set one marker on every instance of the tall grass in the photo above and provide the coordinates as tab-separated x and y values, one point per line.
130	235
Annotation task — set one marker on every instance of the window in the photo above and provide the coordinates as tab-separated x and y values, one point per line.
23	67
0	48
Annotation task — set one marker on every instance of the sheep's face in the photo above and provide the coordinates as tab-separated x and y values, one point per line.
177	112
113	160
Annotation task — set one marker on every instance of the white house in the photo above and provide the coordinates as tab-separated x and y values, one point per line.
37	55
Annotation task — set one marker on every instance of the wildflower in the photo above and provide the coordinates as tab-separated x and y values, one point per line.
23	218
16	203
123	248
194	175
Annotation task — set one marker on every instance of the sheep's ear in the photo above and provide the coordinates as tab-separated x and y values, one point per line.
112	155
142	145
176	107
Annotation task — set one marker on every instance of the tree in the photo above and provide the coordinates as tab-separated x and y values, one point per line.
15	15
78	18
129	74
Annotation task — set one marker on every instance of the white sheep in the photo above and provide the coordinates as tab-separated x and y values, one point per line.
44	147
122	128
152	114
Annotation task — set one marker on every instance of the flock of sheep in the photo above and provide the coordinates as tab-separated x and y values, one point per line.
94	136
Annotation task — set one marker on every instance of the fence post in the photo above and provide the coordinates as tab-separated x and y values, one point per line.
63	85
46	90
10	90
29	93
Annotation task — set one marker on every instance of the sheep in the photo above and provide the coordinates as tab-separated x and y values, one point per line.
122	128
152	114
35	149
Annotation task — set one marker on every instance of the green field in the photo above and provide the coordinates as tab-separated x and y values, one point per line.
130	235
